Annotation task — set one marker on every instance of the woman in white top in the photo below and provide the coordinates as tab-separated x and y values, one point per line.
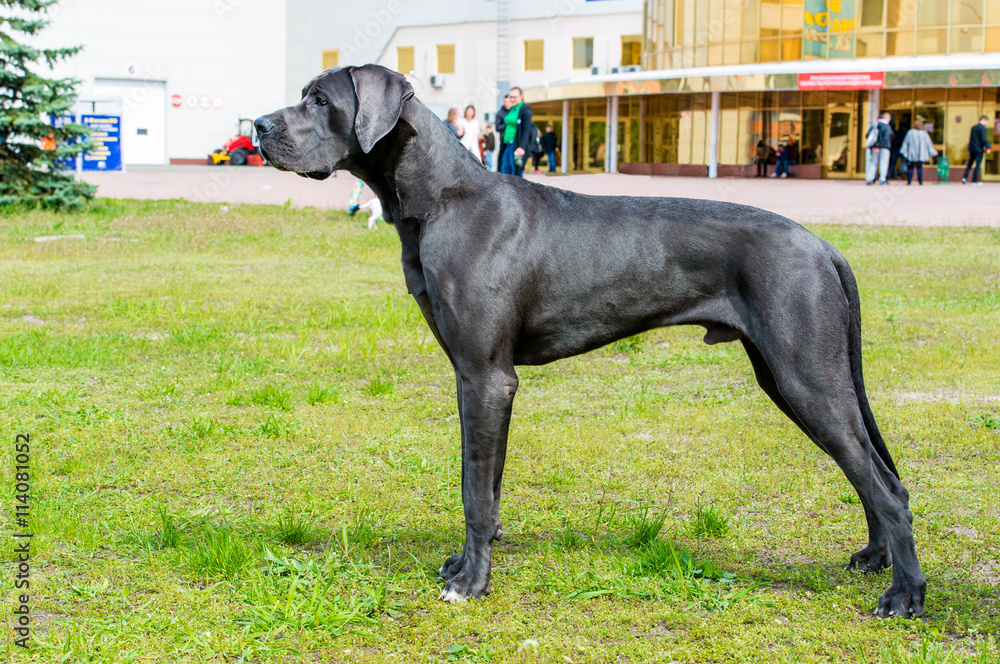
917	148
470	125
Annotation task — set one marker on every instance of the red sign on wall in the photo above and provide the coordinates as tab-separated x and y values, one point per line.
873	80
175	101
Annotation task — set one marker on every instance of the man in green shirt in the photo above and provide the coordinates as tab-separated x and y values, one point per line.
516	135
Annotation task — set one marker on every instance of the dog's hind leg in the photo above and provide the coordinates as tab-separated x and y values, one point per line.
874	557
486	395
814	382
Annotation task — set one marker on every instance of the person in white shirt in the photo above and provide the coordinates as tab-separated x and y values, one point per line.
472	131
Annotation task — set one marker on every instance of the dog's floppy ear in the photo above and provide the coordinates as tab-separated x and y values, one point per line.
381	95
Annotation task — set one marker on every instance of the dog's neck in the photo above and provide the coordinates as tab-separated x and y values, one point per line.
411	168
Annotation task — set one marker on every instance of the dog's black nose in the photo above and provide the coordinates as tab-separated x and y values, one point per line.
263	124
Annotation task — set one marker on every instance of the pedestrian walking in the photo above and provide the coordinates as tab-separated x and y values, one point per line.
978	146
517	135
879	142
471	130
452	123
762	156
549	144
917	147
488	142
897	144
536	148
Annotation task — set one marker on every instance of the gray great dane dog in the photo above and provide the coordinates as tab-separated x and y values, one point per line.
508	272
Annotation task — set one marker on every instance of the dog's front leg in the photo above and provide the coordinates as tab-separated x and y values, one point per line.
485	398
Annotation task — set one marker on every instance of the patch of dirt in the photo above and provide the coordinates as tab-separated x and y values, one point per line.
659	631
964	531
988	571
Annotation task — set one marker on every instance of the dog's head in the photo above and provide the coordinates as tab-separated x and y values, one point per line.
343	113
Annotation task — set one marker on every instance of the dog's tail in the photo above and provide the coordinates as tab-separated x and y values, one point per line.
850	287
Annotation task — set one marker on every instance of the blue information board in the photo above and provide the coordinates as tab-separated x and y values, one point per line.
106	136
49	144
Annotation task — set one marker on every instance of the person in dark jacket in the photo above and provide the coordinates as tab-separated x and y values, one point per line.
877	164
897	143
549	142
516	134
501	113
978	146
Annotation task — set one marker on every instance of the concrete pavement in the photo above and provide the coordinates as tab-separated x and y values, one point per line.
805	201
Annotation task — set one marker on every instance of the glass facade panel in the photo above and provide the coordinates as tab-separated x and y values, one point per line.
729	121
751	16
932	41
791	49
828	125
966	12
811	143
770	50
993	11
871	13
731	54
714	32
870	45
900	14
992	41
932	12
731	21
900	42
966	40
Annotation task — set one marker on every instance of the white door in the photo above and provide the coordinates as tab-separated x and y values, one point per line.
144	118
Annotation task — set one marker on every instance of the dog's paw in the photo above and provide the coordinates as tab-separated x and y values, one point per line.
451	567
870	560
451	596
902	601
463	586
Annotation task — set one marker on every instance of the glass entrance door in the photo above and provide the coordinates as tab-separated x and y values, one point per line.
838	151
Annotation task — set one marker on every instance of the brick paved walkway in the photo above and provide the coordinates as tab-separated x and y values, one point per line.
805	201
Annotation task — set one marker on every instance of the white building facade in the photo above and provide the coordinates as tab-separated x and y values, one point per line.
181	74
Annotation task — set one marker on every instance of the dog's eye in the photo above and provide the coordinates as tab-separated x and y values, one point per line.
321	102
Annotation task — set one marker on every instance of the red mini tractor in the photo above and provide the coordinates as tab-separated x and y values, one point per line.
239	150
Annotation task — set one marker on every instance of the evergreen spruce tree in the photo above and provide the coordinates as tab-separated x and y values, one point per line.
29	173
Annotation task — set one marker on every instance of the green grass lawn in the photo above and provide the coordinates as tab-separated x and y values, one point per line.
245	448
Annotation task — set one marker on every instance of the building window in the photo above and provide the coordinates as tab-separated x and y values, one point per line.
331	59
631	49
404	59
446	59
583	52
534	54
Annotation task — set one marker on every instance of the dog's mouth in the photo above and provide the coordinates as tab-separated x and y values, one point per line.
316	175
270	160
313	175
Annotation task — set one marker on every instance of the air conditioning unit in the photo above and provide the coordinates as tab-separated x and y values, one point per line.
633	68
595	71
616	70
437	81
